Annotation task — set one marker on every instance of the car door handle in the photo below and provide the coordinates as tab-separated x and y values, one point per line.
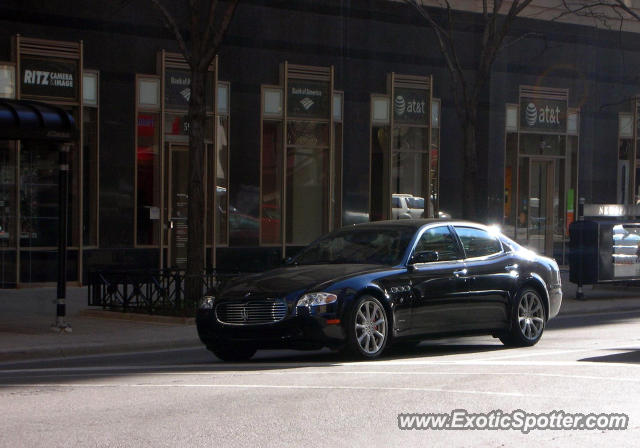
460	272
511	267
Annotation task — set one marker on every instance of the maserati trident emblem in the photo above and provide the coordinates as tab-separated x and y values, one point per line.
244	314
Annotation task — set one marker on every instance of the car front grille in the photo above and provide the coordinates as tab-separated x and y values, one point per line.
252	313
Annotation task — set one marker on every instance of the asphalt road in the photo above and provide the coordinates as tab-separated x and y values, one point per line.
584	364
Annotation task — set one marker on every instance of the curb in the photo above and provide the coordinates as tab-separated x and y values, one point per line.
43	354
137	317
598	311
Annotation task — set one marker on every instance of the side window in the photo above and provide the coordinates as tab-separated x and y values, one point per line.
477	242
395	203
439	239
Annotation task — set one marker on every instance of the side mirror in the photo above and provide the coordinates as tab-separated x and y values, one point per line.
426	256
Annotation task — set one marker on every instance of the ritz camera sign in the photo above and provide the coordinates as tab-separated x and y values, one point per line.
543	115
49	78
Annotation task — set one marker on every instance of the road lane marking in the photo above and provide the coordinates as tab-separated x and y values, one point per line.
282	386
229	368
336	373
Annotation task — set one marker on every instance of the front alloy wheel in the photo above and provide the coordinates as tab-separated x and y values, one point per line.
527	321
369	330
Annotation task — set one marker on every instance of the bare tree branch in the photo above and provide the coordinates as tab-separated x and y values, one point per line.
210	21
444	44
468	85
214	45
171	24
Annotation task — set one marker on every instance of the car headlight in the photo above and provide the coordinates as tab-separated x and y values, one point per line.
206	303
317	298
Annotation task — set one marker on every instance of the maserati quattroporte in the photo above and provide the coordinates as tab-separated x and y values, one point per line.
365	287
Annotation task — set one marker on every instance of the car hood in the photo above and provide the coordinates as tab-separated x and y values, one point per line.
284	280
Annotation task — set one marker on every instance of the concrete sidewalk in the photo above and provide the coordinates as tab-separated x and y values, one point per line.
26	316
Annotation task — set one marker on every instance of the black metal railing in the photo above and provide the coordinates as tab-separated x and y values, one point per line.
160	291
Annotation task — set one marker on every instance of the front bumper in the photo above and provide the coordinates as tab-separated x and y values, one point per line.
302	332
555	300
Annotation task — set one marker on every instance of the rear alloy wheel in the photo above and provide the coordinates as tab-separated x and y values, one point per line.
528	319
233	353
368	329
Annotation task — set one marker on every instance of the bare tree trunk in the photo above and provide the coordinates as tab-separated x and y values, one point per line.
195	243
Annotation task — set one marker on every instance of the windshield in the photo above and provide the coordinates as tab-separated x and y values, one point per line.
359	246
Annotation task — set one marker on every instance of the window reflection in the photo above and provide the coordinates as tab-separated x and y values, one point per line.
271	182
148	178
379	156
410	172
7	194
307	194
307	133
38	195
222	179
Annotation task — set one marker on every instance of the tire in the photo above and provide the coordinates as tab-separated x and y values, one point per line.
369	327
233	353
528	319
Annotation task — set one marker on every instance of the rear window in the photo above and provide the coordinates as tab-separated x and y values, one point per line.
478	242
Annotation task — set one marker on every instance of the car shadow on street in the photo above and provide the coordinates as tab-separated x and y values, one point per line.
59	373
563	322
632	356
327	358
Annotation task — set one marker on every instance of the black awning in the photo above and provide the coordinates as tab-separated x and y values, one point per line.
33	120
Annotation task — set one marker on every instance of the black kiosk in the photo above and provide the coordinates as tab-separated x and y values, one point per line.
605	245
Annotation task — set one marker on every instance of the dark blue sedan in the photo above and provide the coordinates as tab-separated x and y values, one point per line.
362	288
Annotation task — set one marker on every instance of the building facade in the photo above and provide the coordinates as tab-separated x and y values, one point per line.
320	114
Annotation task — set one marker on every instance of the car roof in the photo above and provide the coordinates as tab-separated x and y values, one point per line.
416	223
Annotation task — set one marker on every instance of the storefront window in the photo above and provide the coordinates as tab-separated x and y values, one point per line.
307	133
38	195
379	156
559	205
410	169
624	190
222	179
307	193
90	177
407	173
510	186
7	194
337	170
401	186
572	196
434	174
7	80
523	200
300	190
148	179
271	208
543	145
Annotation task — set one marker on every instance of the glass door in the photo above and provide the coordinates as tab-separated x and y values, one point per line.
410	173
543	206
178	205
